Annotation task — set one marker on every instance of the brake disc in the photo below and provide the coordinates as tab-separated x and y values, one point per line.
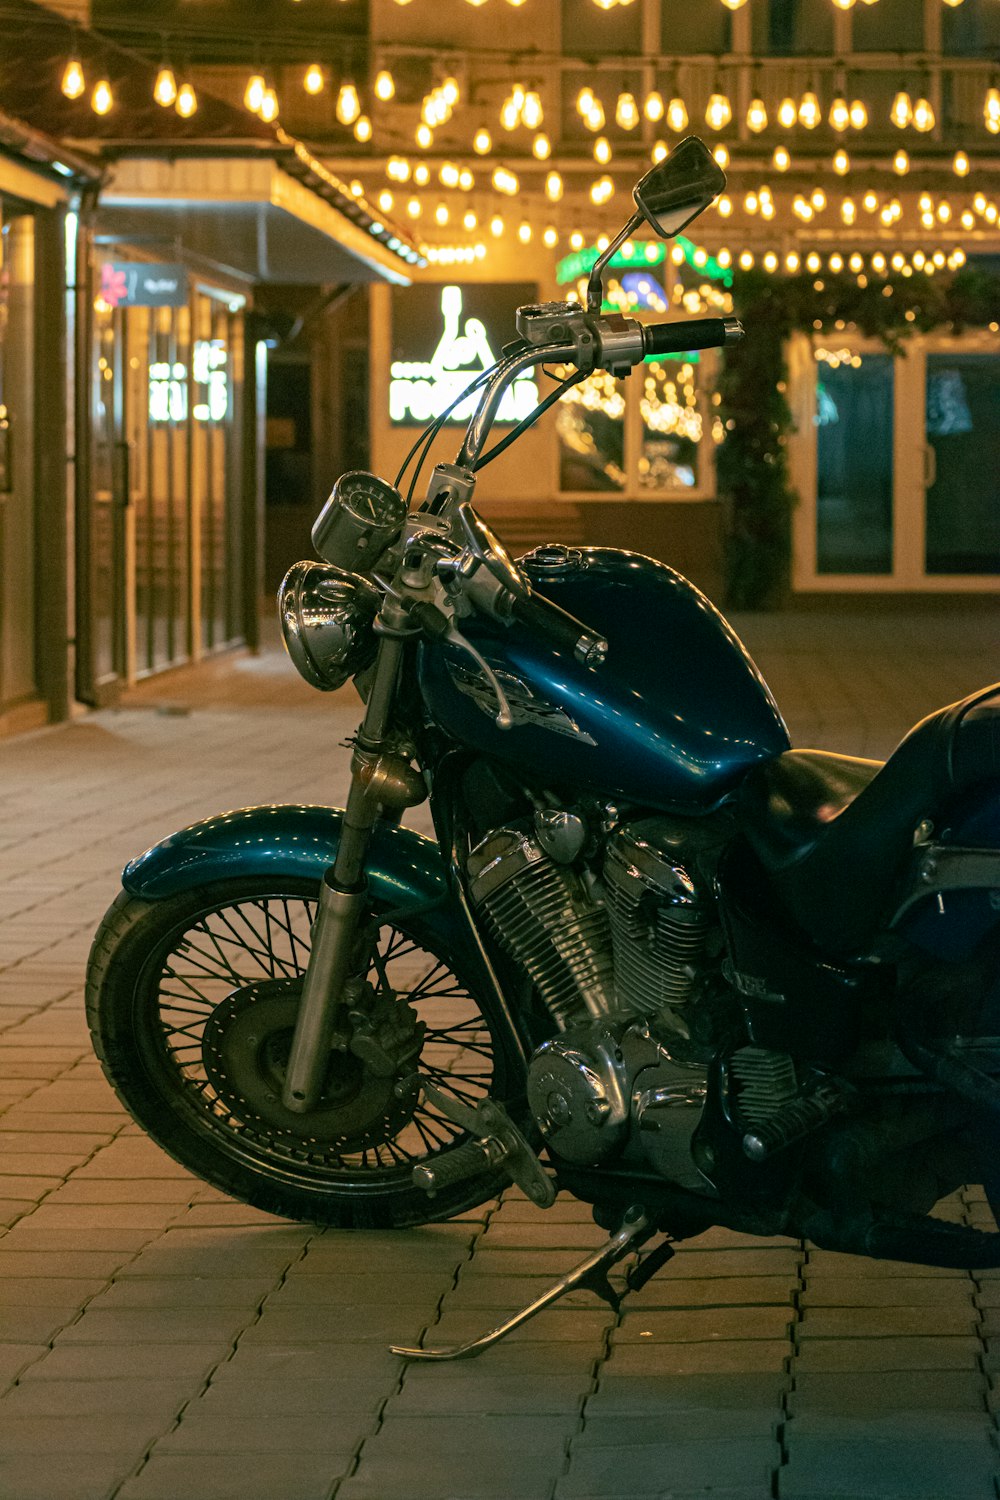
245	1048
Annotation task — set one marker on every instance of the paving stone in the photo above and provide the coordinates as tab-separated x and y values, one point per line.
725	1357
887	1291
337	1325
652	1396
158	1263
421	1290
702	1323
549	1235
24	1189
51	1291
370	1361
578	1325
31	1263
910	1470
232	1476
75	1144
656	1468
972	1427
483	1391
880	1322
69	1435
624	1432
492	1436
178	1292
29	1236
102	1398
521	1477
336	1435
239	1397
115	1190
51	1165
87	1216
125	1362
669	1291
835	1263
48	1476
778	1261
35	1325
888	1354
158	1326
36	1123
861	1392
17	1358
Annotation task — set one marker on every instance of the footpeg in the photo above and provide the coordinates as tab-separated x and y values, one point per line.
591	1273
497	1143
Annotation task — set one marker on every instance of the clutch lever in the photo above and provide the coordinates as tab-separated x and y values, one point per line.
441	626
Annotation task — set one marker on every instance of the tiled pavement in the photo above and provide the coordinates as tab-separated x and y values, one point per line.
158	1341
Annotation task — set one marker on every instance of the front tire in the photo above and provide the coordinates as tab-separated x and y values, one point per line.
172	987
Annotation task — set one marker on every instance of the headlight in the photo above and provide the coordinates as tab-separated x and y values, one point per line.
326	620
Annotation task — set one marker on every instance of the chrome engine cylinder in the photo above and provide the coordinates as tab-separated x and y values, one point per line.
657	916
544	916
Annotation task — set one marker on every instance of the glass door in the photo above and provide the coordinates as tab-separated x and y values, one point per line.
18	678
103	592
962	472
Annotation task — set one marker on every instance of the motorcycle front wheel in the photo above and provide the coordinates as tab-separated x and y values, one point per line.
191	1003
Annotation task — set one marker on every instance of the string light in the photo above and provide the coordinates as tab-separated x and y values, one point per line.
268	109
363	129
961	165
602	191
450	91
654	108
524	232
165	87
102	100
746	260
482	142
848	211
602	150
870	201
968	219
348	103
505	181
541	147
677	114
441	214
991	109
841	163
313	81
421	174
660	152
253	94
770	262
751	203
813	262
187	101
836	263
385	201
924	118
73	83
576	240
781	160
550	237
424	136
810	114
532	113
724	206
734	4
840	114
414	208
787	113
901	163
466	181
553	187
385	86
757	115
792	261
859	114
469	220
448	175
496	226
626	112
721	154
718	112
901	113
818	199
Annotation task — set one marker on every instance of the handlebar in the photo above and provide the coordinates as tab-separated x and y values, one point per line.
699	333
565	632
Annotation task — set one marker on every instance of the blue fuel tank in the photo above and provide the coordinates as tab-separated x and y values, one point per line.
672	720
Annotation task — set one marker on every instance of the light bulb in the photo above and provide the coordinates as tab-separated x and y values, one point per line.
413	208
925	203
602	150
859	114
878	262
810	114
961	165
787	113
253	94
595	119
73	82
781	160
770	262
978	203
660	152
268	108
541	147
451	92
466	181
751	203
841	163
870	202
724	205
585	101
441	214
550	238
102	99
362	129
553	187
991	110
813	262
385	85
968	219
725	258
505	181
944	211
532	113
448	175
856	263
165	87
721	154
576	240
843	4
901	113
677	114
924	118
626	111
314	80
524	232
746	260
840	114
719	112
654	107
482	141
901	163
802	208
757	115
792	261
496	226
348	103
385	201
734	4
187	101
421	174
836	263
848	211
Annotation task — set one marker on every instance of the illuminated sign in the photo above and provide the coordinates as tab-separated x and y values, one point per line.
130	283
420	390
635	256
168	385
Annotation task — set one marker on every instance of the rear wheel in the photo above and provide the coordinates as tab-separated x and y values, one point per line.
192	1003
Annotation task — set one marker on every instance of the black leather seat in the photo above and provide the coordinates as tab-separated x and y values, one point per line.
834	832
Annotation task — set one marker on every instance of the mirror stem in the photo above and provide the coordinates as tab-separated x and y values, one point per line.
595	286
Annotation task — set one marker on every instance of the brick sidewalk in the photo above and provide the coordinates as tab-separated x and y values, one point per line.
158	1341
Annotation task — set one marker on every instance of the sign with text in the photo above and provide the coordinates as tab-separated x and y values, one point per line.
132	283
442	338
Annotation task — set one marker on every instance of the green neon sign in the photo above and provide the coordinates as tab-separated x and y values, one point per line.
642	255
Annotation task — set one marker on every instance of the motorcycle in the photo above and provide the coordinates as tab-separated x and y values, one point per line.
654	957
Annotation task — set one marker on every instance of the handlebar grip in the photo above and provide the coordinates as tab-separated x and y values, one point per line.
699	333
538	613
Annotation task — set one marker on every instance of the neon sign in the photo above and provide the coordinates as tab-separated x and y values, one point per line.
421	390
168	385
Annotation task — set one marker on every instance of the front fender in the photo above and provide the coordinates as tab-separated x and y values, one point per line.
404	869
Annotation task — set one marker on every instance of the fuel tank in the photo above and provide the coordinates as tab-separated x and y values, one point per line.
673	718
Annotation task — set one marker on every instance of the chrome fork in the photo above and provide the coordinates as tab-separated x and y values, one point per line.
378	781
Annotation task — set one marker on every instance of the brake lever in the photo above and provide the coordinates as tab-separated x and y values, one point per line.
504	717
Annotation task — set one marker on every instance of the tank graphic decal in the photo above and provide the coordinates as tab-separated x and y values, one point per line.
526	706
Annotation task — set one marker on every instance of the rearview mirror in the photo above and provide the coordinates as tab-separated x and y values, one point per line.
677	190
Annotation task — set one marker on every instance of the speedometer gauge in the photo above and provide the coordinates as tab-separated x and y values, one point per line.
363	516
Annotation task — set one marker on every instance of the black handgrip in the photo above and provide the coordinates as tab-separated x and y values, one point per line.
699	333
538	613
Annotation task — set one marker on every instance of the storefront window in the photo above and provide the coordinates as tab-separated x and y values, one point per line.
591	431
854	415
17	448
671	427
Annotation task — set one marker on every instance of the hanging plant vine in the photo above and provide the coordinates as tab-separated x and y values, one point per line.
752	461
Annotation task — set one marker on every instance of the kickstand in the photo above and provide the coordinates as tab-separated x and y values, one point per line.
591	1273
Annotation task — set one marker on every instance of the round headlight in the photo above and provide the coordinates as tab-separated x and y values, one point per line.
327	617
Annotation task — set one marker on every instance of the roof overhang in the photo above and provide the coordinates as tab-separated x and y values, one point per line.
248	216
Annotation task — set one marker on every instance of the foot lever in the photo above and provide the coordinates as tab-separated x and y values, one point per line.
591	1273
496	1142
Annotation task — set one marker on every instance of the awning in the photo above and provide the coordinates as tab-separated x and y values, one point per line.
250	217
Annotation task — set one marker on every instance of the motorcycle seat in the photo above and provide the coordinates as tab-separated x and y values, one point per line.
834	832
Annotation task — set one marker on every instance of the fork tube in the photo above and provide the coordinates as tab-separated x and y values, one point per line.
343	898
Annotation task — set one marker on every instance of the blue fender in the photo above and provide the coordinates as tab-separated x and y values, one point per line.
404	869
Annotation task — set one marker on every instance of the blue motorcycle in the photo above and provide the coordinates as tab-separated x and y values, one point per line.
654	957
